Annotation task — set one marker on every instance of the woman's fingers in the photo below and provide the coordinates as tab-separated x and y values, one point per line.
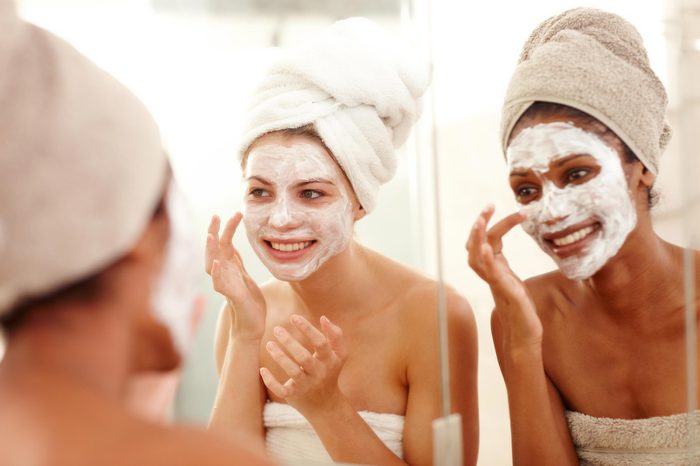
226	241
212	245
503	226
214	226
273	384
302	358
477	237
288	365
487	259
488	212
315	336
334	334
228	280
211	252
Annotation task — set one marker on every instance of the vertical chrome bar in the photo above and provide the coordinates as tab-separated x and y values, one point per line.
686	17
442	311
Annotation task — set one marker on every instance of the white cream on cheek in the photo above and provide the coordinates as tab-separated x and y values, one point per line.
604	198
287	216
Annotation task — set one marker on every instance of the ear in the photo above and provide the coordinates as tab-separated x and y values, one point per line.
647	177
359	213
150	246
639	176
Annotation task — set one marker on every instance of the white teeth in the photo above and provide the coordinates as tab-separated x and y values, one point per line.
573	237
287	247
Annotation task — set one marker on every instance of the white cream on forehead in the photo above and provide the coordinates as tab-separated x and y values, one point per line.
289	217
604	198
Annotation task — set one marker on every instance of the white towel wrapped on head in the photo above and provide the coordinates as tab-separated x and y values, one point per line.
360	92
81	164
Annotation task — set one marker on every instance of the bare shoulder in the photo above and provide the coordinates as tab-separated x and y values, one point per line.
418	298
553	292
73	425
278	295
145	443
185	446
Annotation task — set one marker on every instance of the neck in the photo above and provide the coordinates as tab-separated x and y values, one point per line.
85	346
332	289
644	275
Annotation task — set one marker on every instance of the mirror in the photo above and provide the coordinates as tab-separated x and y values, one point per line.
685	62
210	55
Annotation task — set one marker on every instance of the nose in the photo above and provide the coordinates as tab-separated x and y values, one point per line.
283	215
556	205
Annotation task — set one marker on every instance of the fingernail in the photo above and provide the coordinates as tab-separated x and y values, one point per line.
279	331
270	346
295	319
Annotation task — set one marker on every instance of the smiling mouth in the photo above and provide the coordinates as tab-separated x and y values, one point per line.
289	247
573	237
571	240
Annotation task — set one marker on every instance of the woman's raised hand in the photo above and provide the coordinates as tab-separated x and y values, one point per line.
312	382
514	306
229	277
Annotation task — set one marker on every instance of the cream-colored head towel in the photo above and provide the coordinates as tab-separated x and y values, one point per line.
593	61
81	164
359	91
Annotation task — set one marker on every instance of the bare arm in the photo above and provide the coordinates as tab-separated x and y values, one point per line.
463	359
424	400
539	431
240	396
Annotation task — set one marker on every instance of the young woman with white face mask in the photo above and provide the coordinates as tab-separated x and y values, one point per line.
336	358
592	354
97	282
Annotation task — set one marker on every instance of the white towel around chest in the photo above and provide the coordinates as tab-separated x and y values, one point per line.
290	436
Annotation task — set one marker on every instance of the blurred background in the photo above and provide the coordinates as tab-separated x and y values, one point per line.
195	63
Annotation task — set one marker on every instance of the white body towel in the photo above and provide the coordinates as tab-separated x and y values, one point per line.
659	440
290	436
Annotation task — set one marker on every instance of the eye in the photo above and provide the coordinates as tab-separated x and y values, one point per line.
310	194
259	192
525	193
577	175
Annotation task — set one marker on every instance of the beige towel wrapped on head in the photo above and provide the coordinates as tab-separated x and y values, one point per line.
360	91
81	164
595	62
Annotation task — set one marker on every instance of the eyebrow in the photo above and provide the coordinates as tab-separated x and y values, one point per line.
300	183
258	178
557	163
563	160
314	180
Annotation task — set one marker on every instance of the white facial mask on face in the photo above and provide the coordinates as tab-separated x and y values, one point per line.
283	216
176	290
604	198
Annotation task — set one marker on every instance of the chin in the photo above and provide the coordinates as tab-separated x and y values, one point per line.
289	273
155	352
